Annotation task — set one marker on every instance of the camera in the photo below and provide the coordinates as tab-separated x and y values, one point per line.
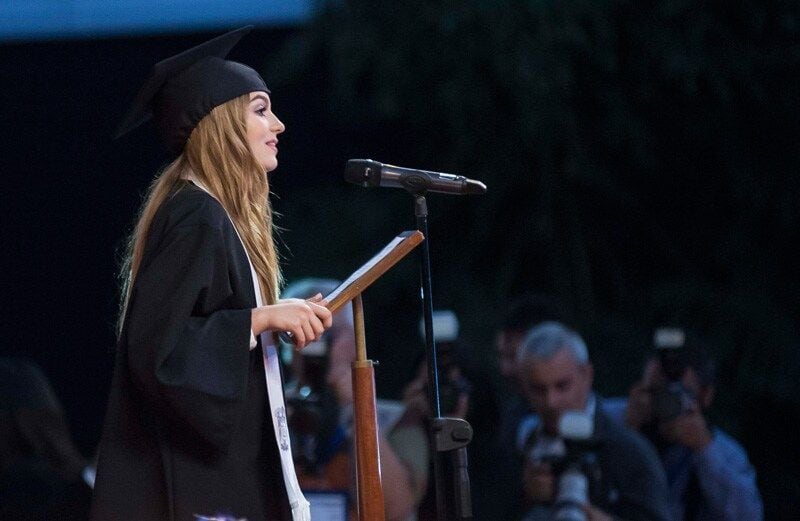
573	461
452	382
312	409
672	399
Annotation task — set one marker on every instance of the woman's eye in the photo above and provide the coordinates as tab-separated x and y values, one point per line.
261	110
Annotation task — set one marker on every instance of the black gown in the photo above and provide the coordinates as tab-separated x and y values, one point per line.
187	430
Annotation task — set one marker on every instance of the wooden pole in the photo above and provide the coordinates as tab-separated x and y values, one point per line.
368	470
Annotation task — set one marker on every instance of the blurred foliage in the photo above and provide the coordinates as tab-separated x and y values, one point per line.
641	159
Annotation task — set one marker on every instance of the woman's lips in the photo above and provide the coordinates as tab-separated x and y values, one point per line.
273	145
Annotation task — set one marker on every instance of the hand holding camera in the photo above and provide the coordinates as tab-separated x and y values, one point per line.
595	514
539	482
564	472
689	429
639	411
662	399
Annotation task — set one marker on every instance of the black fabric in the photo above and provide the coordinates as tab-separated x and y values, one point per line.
40	467
692	498
634	479
32	490
24	385
186	431
182	89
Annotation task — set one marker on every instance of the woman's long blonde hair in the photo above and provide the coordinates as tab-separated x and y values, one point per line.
217	154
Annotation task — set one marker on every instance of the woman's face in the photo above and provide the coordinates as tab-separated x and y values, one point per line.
263	128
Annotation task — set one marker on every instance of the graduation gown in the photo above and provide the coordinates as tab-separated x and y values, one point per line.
187	430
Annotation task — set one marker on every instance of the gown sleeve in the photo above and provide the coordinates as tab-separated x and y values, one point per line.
187	345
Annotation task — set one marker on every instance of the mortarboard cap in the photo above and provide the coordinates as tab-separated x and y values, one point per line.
182	89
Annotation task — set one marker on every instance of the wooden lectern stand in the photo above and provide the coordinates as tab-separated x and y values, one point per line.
368	471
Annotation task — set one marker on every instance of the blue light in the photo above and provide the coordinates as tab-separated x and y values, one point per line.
51	19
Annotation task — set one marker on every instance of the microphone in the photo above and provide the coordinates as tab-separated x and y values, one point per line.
368	173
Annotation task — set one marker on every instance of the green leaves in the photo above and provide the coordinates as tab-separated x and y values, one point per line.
628	147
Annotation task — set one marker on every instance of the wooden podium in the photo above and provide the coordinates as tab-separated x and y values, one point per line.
368	472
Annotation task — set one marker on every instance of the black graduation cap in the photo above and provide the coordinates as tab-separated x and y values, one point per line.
182	89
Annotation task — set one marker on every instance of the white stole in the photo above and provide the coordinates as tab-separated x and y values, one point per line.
300	507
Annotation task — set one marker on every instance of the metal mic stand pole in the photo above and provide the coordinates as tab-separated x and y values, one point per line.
449	436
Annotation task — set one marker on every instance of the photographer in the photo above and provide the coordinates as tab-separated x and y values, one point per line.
320	410
43	476
454	388
708	472
454	391
496	463
621	475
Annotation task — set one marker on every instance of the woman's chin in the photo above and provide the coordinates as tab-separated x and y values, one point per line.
269	166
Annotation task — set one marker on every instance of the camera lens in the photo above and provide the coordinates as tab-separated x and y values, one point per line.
670	402
573	493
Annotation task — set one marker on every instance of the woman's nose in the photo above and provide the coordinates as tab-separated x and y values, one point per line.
277	125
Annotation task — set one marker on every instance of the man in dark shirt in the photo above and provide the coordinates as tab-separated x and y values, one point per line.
495	465
624	478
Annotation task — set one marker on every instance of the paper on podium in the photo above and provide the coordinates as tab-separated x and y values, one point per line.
372	270
368	273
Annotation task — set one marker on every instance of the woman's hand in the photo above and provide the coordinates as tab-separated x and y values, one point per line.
306	320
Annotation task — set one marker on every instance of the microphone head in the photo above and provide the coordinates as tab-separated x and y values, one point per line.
474	187
364	172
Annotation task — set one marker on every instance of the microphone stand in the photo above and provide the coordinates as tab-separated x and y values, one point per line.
449	436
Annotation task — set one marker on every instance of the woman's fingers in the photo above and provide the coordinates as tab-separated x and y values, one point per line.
313	320
299	335
309	332
317	326
305	319
322	313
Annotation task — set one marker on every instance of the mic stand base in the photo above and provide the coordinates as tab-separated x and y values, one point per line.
452	436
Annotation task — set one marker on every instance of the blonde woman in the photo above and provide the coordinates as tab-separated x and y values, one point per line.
195	426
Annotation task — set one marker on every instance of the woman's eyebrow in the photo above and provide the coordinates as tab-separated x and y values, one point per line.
261	97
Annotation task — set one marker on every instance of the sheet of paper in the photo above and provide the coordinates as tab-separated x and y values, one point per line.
327	506
363	269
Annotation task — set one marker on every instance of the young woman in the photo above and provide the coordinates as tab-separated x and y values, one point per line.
195	426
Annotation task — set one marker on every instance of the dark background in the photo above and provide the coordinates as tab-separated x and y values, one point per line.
641	158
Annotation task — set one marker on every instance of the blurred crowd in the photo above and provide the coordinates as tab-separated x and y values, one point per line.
546	444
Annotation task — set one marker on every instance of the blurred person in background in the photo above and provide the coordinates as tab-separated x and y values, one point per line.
591	467
455	390
454	387
523	314
320	411
42	474
708	472
497	465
